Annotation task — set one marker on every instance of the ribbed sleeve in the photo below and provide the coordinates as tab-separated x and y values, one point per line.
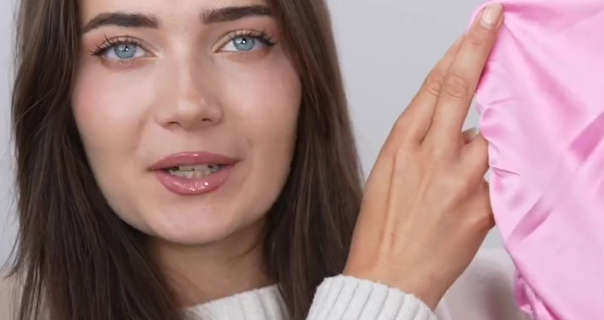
337	298
346	297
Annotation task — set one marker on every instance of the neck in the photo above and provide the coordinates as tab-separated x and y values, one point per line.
201	273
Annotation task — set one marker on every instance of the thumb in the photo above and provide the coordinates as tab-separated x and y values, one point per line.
470	134
485	186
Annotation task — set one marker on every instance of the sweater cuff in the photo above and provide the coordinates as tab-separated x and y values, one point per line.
347	297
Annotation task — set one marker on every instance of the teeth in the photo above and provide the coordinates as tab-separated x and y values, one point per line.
195	172
197	167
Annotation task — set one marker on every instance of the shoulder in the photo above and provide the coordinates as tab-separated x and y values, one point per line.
10	289
7	295
485	290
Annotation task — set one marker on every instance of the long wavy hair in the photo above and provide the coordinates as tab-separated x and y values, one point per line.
75	259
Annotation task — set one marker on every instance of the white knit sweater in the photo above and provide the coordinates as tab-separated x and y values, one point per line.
482	292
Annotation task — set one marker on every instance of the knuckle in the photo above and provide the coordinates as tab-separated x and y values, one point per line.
401	128
457	86
401	123
459	181
477	39
481	216
434	83
404	127
401	157
452	191
478	155
438	155
435	150
389	151
484	220
478	221
393	151
463	184
482	152
392	141
406	161
400	163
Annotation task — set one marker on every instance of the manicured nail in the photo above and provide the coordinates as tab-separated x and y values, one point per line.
491	14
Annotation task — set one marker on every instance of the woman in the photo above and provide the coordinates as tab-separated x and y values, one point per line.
171	155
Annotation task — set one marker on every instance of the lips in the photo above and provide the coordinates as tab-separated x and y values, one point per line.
192	158
193	186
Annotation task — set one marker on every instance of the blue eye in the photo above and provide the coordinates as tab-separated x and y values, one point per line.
124	51
247	42
244	43
119	50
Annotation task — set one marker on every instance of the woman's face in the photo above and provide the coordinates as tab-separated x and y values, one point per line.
194	76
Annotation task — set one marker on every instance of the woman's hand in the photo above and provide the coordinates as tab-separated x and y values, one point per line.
426	207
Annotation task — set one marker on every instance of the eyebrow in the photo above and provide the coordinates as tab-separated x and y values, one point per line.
139	20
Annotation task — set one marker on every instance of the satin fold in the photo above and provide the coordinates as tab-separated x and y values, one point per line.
541	106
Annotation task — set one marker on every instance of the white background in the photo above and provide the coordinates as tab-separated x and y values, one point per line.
386	48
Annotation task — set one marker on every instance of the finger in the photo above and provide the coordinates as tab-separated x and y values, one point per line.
481	205
415	120
461	82
420	111
491	217
469	135
475	156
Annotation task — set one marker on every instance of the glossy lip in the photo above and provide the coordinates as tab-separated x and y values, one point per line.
192	158
187	187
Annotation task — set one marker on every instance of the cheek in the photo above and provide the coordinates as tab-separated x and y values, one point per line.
109	108
268	96
274	113
110	119
268	100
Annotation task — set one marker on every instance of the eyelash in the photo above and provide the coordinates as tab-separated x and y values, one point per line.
109	43
259	35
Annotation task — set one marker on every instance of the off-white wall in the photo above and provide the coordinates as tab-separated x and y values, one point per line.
386	49
7	215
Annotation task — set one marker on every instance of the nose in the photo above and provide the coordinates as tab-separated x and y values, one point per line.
189	100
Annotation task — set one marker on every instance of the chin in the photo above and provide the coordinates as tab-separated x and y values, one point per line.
187	225
192	237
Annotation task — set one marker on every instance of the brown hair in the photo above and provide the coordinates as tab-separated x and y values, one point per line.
80	261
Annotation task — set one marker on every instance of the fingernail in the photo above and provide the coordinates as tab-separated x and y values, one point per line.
491	14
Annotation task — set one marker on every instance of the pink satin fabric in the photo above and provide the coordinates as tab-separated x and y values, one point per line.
541	105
